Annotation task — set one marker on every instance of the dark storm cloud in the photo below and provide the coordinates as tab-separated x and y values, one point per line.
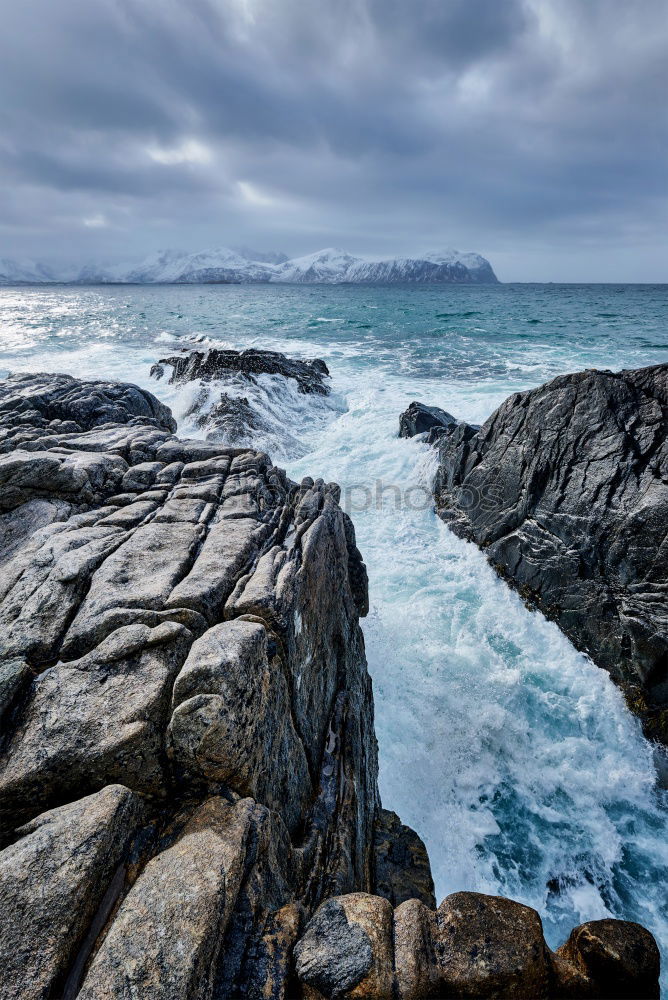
531	130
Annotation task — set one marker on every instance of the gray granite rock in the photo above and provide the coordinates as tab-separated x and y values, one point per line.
334	955
166	936
52	882
179	617
94	721
232	720
34	406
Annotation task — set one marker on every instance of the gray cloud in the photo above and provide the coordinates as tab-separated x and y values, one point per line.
533	131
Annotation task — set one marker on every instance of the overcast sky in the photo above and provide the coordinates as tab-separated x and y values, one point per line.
532	131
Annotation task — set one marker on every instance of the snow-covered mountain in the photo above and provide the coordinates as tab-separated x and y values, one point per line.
324	267
16	272
330	266
449	267
333	266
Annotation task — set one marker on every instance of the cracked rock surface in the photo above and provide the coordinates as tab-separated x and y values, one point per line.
188	765
187	718
565	488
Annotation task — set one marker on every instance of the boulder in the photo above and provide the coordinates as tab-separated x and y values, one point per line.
472	948
617	959
94	721
419	418
347	948
232	720
487	946
166	936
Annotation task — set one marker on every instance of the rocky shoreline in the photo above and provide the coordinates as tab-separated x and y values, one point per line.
565	489
189	804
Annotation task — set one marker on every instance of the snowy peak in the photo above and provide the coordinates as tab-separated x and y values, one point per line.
217	264
222	264
470	260
334	266
325	266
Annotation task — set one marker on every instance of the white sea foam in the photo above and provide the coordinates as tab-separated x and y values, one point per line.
286	418
513	755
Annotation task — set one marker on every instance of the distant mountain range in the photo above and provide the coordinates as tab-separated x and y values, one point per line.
331	267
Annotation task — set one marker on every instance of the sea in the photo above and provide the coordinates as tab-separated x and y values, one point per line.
513	755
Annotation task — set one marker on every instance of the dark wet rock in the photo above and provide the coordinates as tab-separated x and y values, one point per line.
565	488
402	863
219	364
271	974
617	959
419	418
15	675
230	419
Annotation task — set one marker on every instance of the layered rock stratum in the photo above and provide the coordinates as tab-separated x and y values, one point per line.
565	488
189	806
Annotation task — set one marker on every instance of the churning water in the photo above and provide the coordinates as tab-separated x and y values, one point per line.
512	754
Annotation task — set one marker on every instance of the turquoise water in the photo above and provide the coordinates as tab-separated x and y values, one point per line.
512	754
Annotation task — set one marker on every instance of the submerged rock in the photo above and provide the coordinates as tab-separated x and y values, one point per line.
230	418
565	488
217	364
188	765
249	409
